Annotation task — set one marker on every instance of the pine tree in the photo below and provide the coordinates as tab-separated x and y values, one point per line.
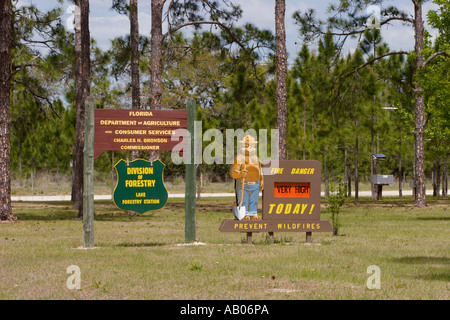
281	58
82	92
349	18
5	89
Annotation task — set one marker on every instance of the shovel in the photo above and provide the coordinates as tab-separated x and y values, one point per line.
239	211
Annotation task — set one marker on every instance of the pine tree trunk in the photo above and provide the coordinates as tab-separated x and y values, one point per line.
19	148
436	178
444	179
82	88
433	178
356	163
156	56
304	130
414	172
135	83
325	172
345	168
281	91
400	176
419	109
5	127
349	181
372	168
76	198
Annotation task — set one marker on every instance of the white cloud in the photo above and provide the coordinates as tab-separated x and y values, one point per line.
260	13
105	28
398	37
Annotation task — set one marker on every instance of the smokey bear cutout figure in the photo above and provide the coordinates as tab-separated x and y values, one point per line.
247	172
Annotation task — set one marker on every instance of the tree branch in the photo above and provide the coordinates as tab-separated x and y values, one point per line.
354	32
193	23
362	66
370	61
359	28
37	97
397	19
434	55
28	64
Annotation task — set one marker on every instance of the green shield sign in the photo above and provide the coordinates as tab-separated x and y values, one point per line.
140	186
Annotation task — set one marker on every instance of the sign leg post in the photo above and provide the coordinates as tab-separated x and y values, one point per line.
271	237
88	171
190	177
309	237
249	238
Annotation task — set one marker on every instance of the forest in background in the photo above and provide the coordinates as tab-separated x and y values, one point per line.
334	115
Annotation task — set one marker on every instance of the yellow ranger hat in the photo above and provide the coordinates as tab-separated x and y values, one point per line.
249	140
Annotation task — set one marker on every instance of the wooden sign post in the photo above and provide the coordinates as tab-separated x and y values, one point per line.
291	202
190	181
88	171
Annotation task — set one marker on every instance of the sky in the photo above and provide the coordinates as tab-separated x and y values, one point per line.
106	24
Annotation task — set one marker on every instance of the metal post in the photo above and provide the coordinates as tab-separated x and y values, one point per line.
190	176
379	191
88	172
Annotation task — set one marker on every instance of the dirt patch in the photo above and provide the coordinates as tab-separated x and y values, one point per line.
195	243
280	290
11	221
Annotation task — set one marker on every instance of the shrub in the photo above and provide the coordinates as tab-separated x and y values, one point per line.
336	200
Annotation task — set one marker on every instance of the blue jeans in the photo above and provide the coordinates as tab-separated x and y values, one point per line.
250	197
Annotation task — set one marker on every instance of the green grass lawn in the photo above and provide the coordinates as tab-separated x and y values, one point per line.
144	256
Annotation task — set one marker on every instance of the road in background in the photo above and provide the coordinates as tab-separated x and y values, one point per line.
202	195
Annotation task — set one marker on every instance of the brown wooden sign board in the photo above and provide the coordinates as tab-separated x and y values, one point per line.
234	225
292	191
139	130
291	201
